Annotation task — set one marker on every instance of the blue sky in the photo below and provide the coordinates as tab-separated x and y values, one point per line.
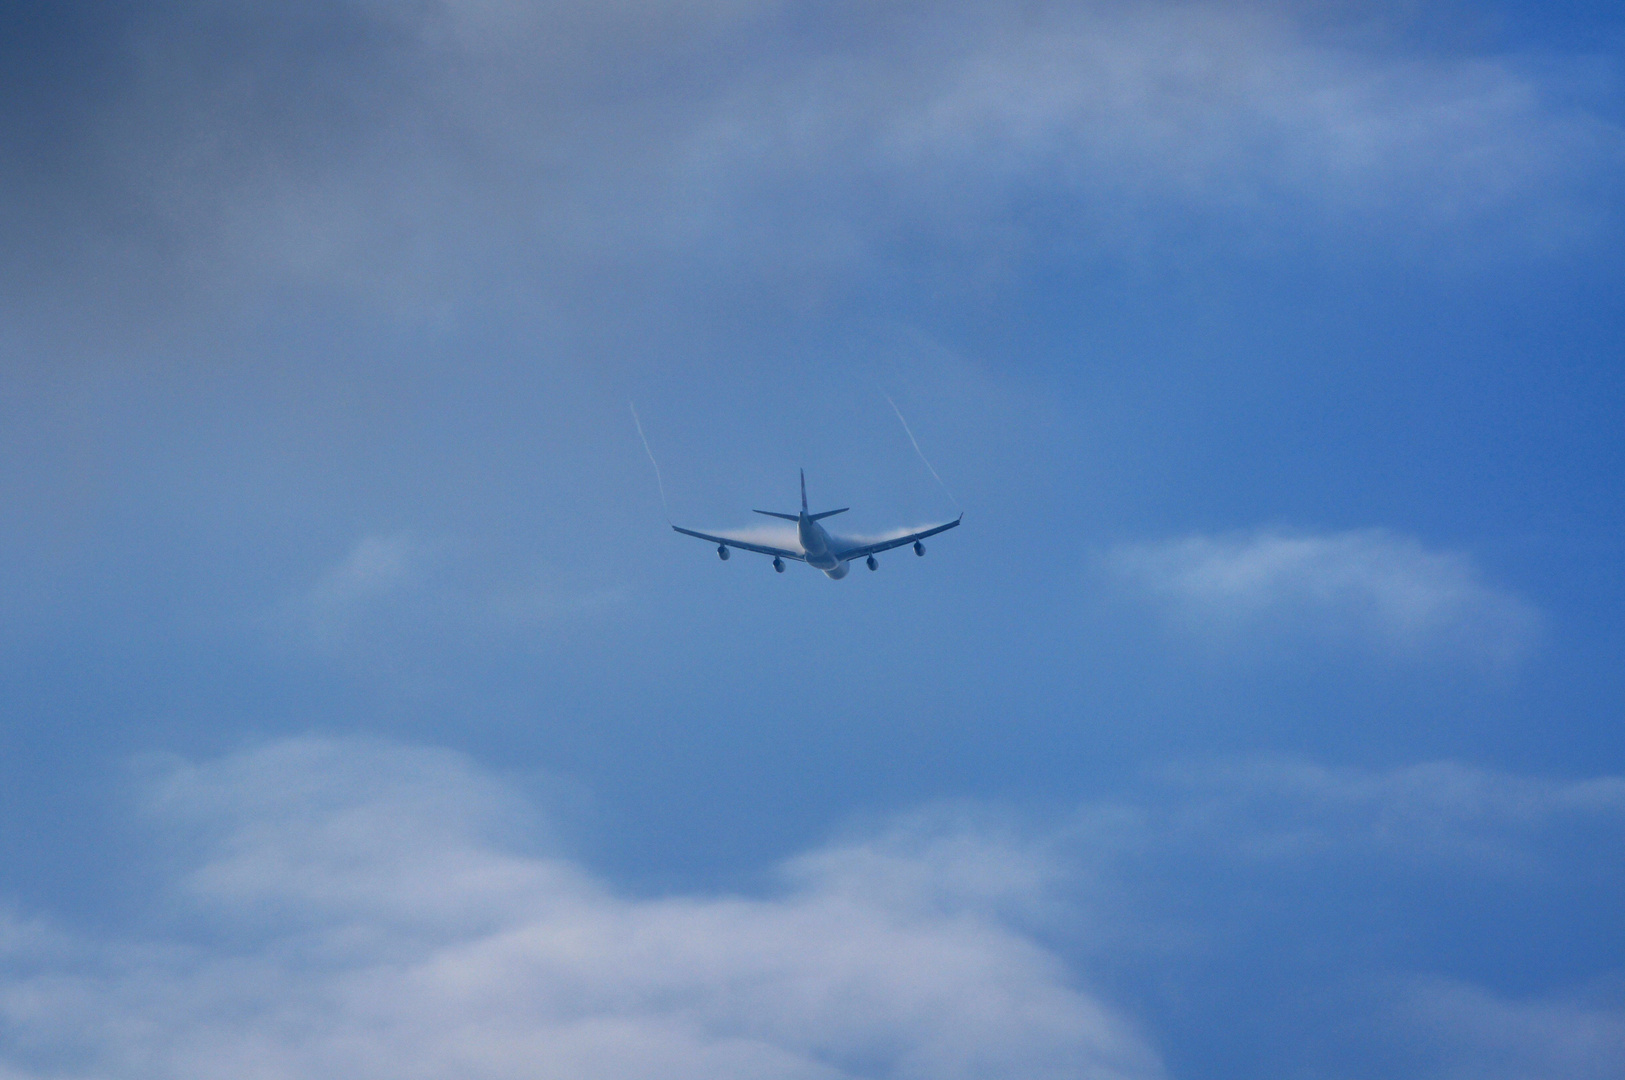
362	716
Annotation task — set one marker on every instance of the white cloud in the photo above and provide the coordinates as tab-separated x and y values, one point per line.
376	914
1367	587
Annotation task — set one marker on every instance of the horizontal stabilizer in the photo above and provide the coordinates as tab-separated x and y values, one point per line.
826	513
786	517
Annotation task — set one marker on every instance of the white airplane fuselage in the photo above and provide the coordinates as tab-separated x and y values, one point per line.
820	552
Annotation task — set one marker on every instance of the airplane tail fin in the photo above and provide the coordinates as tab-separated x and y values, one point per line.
814	517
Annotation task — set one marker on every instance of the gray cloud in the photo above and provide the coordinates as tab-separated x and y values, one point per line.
433	155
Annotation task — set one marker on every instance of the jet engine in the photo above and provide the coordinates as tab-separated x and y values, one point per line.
873	564
722	551
778	564
919	548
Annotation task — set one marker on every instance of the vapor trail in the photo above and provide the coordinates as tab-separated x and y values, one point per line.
659	483
910	433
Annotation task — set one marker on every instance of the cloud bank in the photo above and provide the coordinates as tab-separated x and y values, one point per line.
345	907
375	915
379	910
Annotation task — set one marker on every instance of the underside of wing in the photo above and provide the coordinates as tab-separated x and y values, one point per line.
856	547
757	540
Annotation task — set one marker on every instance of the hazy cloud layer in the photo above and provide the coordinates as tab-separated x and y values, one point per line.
1370	589
433	155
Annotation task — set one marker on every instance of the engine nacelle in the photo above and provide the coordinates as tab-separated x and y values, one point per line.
778	564
722	552
873	564
919	548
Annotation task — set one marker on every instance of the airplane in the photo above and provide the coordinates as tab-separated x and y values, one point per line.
817	548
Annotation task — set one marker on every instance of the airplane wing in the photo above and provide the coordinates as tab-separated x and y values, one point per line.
861	546
745	545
